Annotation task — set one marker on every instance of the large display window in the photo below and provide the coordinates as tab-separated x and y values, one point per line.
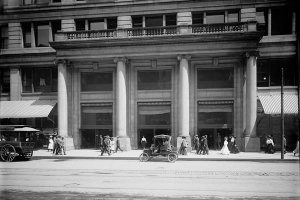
96	81
154	80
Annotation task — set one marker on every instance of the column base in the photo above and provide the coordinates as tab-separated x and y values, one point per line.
69	143
125	143
251	144
189	142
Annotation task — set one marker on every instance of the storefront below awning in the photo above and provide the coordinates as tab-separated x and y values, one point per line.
272	104
26	109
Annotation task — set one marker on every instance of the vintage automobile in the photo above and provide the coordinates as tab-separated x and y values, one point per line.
161	147
16	140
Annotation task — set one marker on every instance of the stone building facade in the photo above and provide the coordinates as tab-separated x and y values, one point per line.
128	68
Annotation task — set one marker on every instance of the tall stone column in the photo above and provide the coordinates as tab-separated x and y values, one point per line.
183	99
121	104
62	104
251	141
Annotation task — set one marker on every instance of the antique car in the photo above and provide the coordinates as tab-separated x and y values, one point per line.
16	141
161	147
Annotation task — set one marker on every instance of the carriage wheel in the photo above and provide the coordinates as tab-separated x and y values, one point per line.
8	153
172	157
144	157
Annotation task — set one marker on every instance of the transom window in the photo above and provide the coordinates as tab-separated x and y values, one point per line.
96	81
215	78
154	80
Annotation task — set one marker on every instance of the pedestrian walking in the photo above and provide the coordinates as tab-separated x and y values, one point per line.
296	151
205	146
112	145
201	145
269	145
62	146
101	143
235	148
55	146
51	143
197	144
219	141
183	146
225	150
118	145
143	142
106	146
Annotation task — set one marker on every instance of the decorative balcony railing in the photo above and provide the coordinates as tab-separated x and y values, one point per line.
219	28
158	31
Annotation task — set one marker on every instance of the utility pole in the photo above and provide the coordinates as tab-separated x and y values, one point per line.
282	115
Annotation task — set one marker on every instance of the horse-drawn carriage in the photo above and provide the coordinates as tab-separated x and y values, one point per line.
161	147
16	140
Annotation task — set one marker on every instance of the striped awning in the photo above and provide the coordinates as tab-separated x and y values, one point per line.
26	109
272	104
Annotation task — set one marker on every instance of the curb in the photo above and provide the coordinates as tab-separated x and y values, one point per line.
179	159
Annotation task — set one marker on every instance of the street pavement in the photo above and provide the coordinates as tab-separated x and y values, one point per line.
134	154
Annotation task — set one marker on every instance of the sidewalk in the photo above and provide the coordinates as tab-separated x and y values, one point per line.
134	155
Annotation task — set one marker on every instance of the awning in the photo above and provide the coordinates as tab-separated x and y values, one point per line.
272	104
26	109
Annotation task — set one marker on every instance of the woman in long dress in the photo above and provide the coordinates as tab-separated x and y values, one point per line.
296	151
225	150
51	144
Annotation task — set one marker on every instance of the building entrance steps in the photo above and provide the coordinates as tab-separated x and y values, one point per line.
134	154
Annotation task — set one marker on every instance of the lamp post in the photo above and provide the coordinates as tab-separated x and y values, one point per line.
282	115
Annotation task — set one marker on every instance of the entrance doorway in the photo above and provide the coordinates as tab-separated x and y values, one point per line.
149	133
90	137
215	136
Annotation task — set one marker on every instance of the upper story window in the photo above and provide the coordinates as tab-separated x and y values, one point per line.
96	81
4	80
32	2
39	34
281	21
154	20
154	80
3	37
269	72
215	78
39	80
216	17
96	24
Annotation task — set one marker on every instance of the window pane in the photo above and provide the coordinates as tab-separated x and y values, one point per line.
112	23
269	72
80	25
197	18
56	26
281	22
42	35
97	25
27	34
233	16
154	115
137	21
4	81
213	18
171	20
152	21
96	115
215	118
27	79
215	78
99	81
154	80
42	80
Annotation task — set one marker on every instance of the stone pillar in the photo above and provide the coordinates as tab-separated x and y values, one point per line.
121	104
251	142
184	19
15	84
183	99
62	104
33	44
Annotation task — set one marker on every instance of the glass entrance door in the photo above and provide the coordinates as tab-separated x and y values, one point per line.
90	137
215	136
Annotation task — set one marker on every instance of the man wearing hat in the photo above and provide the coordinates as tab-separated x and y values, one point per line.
106	145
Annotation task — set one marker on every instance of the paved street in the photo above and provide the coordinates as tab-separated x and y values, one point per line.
158	179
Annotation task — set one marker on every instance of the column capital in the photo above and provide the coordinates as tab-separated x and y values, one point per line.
183	56
251	53
60	61
122	59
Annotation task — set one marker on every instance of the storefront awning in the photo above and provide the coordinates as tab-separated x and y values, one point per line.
272	104
26	109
